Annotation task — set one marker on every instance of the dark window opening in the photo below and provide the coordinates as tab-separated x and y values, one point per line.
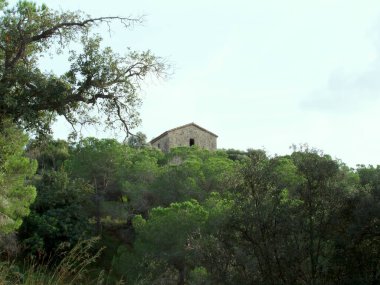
192	142
158	145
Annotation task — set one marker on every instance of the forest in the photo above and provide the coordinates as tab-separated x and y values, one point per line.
194	216
98	211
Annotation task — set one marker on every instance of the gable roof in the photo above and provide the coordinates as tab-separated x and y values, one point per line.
180	127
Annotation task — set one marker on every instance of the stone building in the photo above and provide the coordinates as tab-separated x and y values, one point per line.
186	135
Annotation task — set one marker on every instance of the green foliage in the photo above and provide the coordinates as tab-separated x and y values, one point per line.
278	225
3	4
196	217
236	155
137	140
101	164
190	173
370	178
72	269
50	154
59	215
15	194
199	276
166	237
32	97
357	238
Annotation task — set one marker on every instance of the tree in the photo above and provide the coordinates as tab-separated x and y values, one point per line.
50	154
261	242
59	215
100	163
191	173
166	236
284	222
98	79
215	249
15	193
138	140
358	236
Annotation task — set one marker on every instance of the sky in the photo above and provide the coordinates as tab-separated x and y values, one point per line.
260	74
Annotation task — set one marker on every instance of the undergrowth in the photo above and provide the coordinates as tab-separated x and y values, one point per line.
73	268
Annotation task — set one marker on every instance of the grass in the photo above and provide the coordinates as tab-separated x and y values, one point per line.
72	269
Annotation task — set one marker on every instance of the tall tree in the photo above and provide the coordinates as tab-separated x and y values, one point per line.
100	163
166	236
15	193
60	213
98	79
283	223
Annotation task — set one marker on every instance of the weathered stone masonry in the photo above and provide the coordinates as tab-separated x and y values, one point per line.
186	135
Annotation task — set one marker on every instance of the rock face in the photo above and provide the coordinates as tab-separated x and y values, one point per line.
186	135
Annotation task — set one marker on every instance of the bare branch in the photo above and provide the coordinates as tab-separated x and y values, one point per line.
70	122
83	24
25	41
121	119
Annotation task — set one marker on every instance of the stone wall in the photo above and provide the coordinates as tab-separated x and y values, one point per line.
182	137
162	143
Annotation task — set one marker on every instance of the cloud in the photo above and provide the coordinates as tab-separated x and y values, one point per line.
347	91
356	84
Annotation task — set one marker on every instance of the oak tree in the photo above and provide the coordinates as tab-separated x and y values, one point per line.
99	83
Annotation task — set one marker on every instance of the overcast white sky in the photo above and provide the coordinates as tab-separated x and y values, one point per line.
260	74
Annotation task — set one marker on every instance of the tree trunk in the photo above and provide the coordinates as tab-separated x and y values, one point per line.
181	276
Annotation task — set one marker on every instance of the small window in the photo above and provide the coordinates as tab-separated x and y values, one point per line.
158	145
192	142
